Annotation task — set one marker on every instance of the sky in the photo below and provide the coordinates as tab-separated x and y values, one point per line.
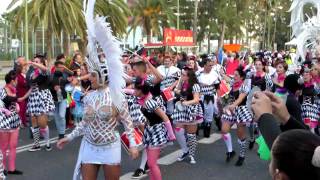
4	5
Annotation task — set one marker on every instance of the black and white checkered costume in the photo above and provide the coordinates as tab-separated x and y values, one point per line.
40	102
2	176
250	77
135	111
310	110
192	114
149	81
155	135
241	113
207	83
8	120
170	75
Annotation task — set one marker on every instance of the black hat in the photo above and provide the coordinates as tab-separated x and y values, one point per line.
293	83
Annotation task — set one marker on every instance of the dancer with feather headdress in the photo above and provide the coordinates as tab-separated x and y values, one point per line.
103	106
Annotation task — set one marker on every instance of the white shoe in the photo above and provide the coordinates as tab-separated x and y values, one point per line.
183	156
192	161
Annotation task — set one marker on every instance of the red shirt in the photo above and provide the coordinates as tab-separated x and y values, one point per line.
22	86
231	66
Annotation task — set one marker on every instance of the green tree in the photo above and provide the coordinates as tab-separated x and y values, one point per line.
152	16
67	16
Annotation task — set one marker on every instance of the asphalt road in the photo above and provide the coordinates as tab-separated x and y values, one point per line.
211	165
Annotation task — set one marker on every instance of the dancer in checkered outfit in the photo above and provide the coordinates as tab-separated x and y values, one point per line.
139	121
236	113
153	79
170	75
315	73
261	80
158	130
9	123
187	114
309	100
209	83
40	102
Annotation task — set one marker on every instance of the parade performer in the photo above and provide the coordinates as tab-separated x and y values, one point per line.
209	83
261	81
103	106
308	100
187	114
9	123
40	102
170	77
236	113
153	79
158	131
139	121
278	80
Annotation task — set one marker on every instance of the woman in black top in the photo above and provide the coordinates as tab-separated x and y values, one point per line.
40	102
9	123
187	113
158	131
237	112
308	100
261	81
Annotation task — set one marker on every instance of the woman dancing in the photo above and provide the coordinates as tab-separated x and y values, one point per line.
259	80
103	106
236	113
187	114
9	124
40	102
158	130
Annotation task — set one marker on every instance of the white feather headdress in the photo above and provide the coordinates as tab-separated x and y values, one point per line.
306	34
100	34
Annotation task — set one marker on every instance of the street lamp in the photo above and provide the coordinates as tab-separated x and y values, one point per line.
26	29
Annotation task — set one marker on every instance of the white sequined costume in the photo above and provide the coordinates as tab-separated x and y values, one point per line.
101	142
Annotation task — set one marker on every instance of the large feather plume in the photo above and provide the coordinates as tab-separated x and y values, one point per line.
297	16
306	34
99	32
309	37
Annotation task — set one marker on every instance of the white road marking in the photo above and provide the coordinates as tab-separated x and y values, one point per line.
213	138
170	158
42	143
126	176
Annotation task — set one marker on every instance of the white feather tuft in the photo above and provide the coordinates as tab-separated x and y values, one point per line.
306	33
99	32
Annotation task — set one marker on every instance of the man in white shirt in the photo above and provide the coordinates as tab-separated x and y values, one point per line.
170	77
209	83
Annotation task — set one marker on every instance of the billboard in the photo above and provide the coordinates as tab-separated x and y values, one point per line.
173	37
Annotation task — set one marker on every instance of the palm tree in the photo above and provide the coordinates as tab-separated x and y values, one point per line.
151	15
66	16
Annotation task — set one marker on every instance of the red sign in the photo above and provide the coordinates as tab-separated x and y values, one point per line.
172	37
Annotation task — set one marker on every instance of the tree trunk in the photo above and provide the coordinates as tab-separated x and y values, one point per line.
264	30
223	30
195	21
82	46
66	43
49	45
149	38
209	42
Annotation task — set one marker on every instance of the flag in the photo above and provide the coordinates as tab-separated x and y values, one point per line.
220	56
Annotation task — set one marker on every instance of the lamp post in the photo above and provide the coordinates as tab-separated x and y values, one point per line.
178	13
26	29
